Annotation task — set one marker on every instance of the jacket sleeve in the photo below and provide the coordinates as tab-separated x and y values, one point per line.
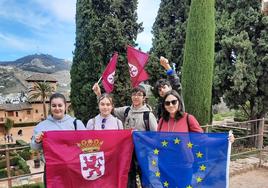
194	126
176	85
90	125
119	113
152	122
120	124
175	81
80	125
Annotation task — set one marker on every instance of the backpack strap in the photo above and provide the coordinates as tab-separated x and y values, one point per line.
117	121
93	120
188	122
160	124
146	120
75	124
126	113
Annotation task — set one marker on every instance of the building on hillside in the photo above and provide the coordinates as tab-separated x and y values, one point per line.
35	78
30	111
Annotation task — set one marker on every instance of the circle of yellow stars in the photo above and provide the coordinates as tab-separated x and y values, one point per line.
177	141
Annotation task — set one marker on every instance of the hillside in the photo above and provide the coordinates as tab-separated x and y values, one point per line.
41	63
14	73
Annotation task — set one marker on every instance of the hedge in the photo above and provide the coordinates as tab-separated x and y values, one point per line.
21	143
36	185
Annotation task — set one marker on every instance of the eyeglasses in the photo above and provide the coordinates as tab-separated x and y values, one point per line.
173	102
137	94
103	123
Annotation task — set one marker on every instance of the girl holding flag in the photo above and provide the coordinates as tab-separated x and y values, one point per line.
105	120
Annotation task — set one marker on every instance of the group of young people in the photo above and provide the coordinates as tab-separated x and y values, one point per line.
170	115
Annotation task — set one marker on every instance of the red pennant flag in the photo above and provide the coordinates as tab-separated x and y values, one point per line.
108	74
136	62
84	159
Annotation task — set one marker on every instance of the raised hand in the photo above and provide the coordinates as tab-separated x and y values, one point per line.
164	63
96	89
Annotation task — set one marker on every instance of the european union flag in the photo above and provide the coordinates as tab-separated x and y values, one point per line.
182	160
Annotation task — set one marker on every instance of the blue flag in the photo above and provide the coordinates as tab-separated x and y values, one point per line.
182	160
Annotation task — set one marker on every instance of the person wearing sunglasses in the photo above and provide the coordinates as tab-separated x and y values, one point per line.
174	119
105	120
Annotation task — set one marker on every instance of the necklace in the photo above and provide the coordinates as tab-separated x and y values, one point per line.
169	127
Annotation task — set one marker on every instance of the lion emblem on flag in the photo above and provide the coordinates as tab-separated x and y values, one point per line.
92	161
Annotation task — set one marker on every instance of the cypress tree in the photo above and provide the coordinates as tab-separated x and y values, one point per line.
199	59
102	27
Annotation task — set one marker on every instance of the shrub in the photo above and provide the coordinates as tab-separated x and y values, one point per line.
26	124
25	154
21	143
23	166
240	116
36	185
13	162
217	117
3	173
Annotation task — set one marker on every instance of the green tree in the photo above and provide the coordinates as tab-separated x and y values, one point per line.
241	69
41	91
9	123
102	27
169	30
199	59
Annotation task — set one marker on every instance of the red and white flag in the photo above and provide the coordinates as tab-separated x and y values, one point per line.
109	73
85	159
136	62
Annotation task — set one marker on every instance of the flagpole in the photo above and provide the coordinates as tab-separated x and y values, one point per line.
99	80
228	160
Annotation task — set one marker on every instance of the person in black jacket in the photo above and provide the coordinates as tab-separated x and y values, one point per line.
163	86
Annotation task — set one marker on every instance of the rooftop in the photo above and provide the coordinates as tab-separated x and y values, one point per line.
41	77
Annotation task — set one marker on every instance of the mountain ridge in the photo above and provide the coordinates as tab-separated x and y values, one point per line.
43	63
14	73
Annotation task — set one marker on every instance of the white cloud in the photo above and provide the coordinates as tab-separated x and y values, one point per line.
63	10
16	43
24	14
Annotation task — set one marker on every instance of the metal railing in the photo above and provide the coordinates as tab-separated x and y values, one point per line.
257	124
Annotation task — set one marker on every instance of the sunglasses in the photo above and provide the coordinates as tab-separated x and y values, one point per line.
103	123
173	102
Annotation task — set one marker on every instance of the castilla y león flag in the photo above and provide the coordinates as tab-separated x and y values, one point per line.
136	62
108	74
85	159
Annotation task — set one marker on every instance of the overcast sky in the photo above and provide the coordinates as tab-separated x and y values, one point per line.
48	26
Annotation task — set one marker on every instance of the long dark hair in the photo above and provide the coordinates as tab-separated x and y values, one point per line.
165	113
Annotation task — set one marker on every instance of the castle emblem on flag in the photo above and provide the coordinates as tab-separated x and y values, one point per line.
133	70
92	160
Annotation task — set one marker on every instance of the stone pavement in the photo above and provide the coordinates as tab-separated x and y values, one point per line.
240	166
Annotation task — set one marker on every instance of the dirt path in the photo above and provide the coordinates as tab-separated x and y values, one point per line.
252	179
